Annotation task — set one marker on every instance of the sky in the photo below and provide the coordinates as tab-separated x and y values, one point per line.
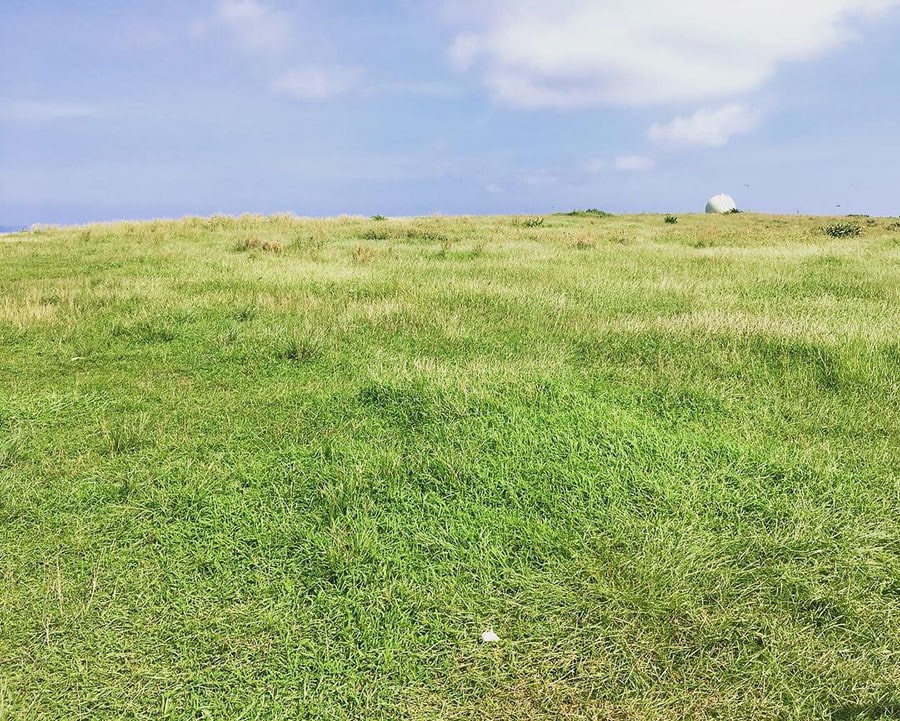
165	108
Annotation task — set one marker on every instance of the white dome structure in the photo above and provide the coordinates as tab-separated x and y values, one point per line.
721	204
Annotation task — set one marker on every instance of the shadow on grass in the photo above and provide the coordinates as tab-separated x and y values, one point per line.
888	710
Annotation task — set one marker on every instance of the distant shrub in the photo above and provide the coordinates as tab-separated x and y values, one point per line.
268	245
734	211
378	217
843	229
592	212
533	222
364	254
671	219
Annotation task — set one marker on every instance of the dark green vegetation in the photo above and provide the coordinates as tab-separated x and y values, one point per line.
843	229
589	213
273	468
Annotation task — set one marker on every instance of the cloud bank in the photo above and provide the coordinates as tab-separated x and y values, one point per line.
584	53
713	128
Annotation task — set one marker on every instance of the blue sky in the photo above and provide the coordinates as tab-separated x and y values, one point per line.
159	108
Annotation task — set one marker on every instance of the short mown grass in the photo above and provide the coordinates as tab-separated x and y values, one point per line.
661	461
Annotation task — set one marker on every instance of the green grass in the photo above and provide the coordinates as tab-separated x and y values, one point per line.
270	468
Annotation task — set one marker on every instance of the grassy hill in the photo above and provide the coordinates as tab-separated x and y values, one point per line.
276	468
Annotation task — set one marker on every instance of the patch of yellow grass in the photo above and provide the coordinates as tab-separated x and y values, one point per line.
267	245
24	313
364	254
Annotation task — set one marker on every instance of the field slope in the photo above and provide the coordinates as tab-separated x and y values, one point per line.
271	468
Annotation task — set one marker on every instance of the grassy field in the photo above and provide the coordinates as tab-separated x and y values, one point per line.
271	468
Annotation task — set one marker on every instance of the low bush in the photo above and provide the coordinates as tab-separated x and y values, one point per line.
842	229
590	212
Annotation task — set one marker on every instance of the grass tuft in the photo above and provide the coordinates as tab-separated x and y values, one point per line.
266	245
246	313
301	350
12	448
376	234
125	435
363	254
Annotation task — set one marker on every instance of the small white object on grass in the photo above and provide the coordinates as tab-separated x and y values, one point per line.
720	204
489	636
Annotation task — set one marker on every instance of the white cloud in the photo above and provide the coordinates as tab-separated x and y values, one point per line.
464	50
633	163
41	111
317	83
582	53
706	127
257	26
